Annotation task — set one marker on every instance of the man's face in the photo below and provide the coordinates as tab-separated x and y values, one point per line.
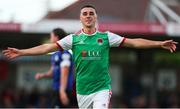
53	38
88	17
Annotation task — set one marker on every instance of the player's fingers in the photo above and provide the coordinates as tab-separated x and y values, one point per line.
6	54
175	42
5	51
171	41
174	47
11	49
171	50
9	57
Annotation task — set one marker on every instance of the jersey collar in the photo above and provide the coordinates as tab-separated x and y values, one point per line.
82	31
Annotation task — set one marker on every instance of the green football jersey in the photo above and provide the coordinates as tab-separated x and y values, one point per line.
91	58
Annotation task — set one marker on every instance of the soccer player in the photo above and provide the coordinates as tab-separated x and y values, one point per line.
91	56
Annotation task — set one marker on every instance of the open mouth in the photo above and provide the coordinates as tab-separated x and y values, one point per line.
88	21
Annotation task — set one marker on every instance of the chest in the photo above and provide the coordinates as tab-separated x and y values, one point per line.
94	42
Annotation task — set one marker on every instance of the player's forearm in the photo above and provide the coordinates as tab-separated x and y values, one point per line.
64	78
48	74
143	43
38	50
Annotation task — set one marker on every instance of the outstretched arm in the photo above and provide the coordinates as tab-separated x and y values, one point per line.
144	43
38	50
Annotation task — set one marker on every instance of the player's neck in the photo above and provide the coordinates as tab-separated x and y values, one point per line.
89	30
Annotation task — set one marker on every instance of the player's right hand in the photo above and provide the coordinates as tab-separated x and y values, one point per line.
38	76
11	53
63	97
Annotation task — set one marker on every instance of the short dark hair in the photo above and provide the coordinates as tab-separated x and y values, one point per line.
89	6
60	33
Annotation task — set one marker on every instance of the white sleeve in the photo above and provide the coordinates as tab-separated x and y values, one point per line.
66	43
65	60
115	40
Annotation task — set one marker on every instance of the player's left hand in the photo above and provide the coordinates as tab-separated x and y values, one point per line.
63	97
169	45
11	53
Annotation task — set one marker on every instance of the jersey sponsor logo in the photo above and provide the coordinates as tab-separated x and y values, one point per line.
94	53
100	41
91	55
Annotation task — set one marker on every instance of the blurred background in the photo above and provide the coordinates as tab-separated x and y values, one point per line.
140	77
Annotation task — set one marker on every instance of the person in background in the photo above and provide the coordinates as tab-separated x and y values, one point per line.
62	73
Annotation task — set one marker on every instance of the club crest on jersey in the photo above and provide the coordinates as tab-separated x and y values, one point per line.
84	53
100	41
